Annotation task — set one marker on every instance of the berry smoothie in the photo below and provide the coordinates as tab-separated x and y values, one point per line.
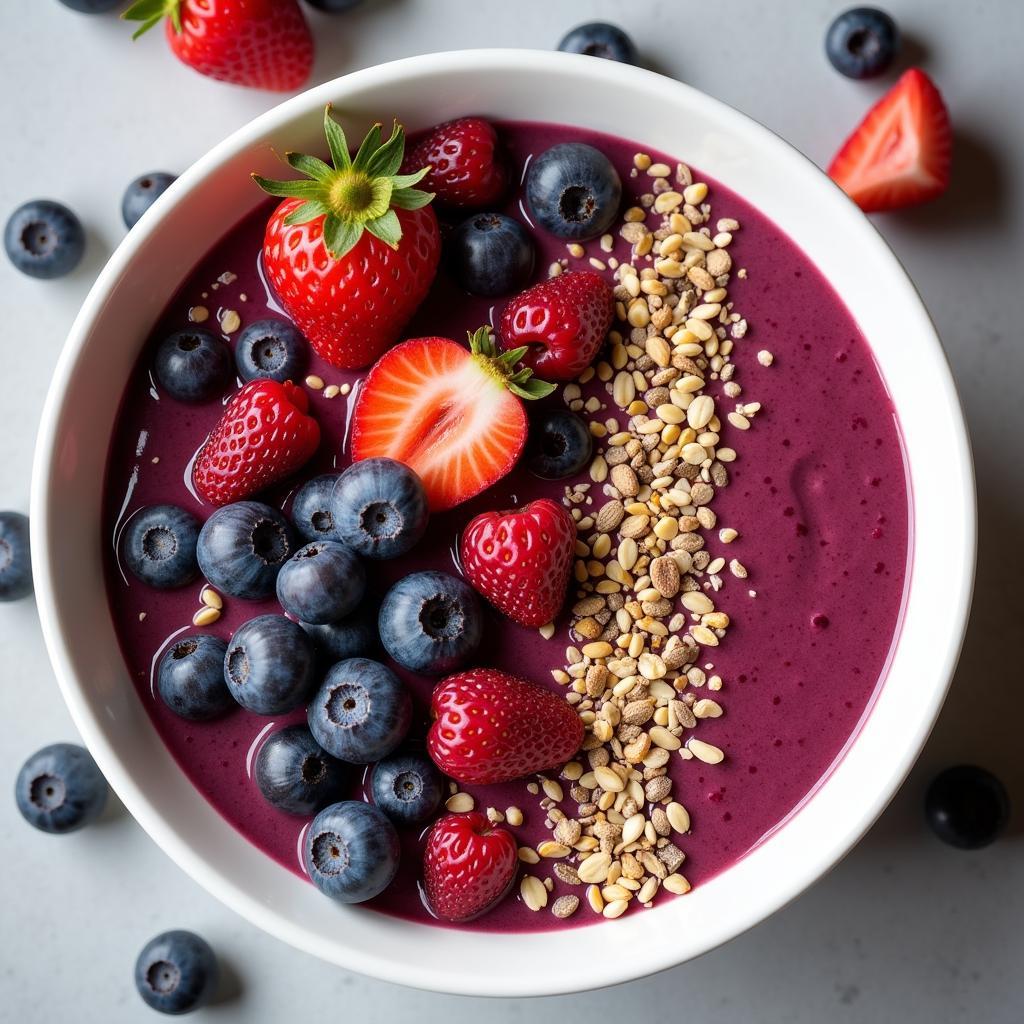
808	554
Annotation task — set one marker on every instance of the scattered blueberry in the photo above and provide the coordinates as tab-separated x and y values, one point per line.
862	42
271	349
351	851
599	39
430	622
15	557
573	190
159	546
560	445
967	807
59	789
380	508
44	239
192	365
92	6
269	665
361	712
334	6
176	972
190	679
141	194
322	582
354	637
312	511
242	547
491	254
408	788
295	774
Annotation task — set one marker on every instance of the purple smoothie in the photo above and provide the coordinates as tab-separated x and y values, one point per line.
818	495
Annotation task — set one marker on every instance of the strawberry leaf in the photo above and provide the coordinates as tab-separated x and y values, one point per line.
410	198
311	166
336	141
298	189
386	228
532	389
151	12
340	236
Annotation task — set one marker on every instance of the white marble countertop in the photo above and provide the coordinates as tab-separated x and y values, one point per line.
905	929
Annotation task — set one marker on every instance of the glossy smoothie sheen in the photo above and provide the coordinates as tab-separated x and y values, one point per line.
818	494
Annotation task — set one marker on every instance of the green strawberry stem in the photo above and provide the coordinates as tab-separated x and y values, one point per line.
356	194
151	12
501	365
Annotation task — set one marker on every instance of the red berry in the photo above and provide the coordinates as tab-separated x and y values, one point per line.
564	321
264	435
469	866
521	560
493	727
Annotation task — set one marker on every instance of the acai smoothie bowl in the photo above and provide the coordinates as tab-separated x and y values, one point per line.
501	504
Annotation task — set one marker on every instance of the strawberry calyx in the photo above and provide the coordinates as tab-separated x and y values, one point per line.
356	194
152	12
501	366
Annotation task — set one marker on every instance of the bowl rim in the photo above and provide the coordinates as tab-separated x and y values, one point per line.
94	730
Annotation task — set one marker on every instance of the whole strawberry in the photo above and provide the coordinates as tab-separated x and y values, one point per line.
564	321
521	560
352	251
264	435
494	727
469	866
264	44
466	170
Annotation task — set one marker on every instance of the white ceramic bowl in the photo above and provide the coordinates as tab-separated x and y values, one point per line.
157	255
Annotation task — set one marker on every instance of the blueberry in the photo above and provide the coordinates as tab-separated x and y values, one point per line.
408	788
15	557
141	194
296	775
269	665
334	6
361	712
491	254
242	548
190	679
159	546
312	512
59	789
92	6
322	582
862	42
380	508
44	239
430	622
560	445
967	807
192	365
351	851
599	39
176	972
573	190
353	637
271	349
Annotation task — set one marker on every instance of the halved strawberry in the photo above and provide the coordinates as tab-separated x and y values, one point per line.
450	413
900	154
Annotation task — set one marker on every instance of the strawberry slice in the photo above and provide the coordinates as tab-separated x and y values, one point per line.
450	413
900	154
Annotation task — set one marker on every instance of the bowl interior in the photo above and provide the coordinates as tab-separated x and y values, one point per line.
207	201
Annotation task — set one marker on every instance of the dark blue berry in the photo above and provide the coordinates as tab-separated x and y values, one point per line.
193	365
15	557
92	6
142	193
361	712
296	775
862	42
242	548
322	582
354	637
599	39
967	807
351	851
430	622
560	445
270	665
271	349
491	254
408	788
573	191
44	239
190	679
159	546
334	6
380	508
176	972
60	789
312	509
